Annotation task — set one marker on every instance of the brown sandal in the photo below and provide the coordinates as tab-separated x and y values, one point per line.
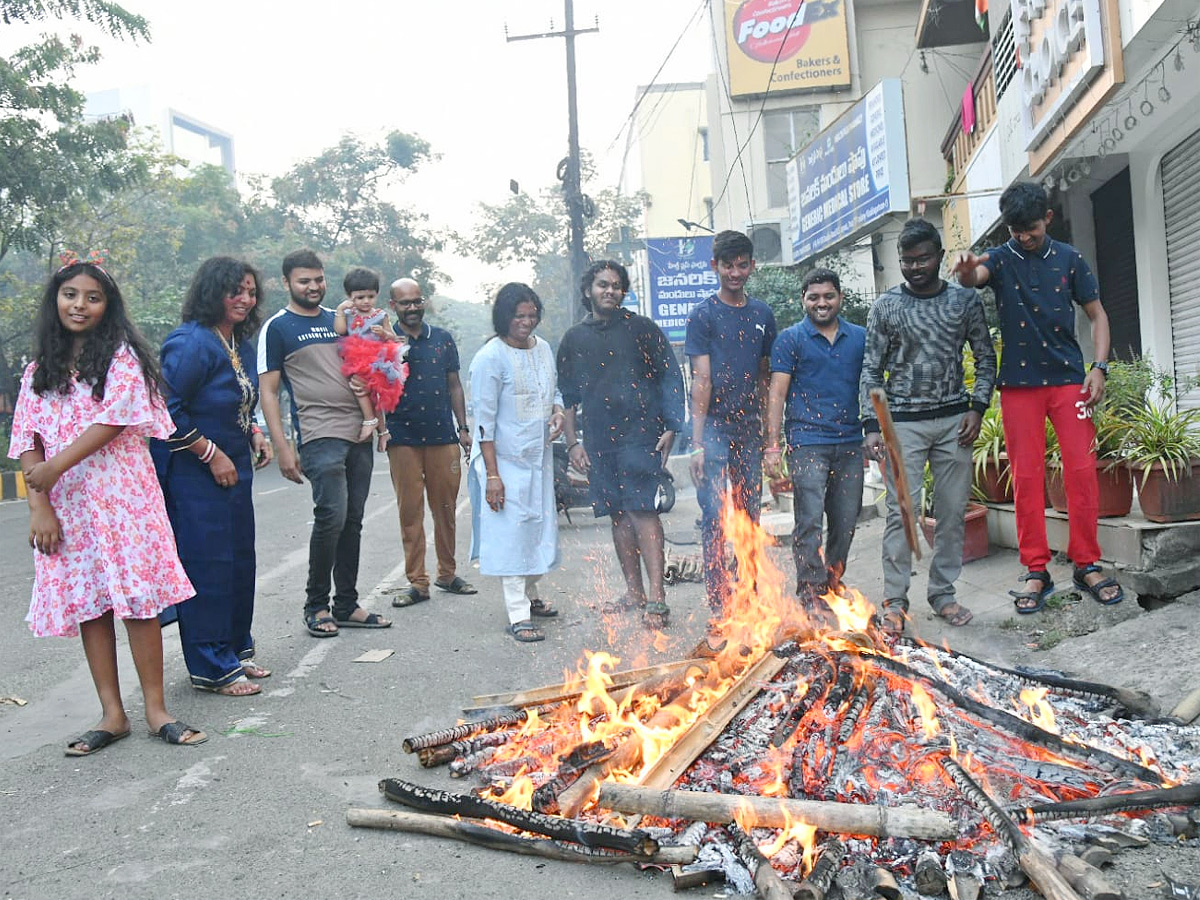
955	614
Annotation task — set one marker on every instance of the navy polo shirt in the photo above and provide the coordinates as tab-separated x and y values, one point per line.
1036	294
735	339
424	416
822	401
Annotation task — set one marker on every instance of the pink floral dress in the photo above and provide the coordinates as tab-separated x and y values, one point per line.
118	550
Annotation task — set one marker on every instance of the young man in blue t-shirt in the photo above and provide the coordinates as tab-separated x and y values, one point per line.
729	338
1038	282
815	366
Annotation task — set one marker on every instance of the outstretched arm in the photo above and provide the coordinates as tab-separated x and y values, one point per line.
970	270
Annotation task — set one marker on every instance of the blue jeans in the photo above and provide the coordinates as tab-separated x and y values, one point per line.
827	481
732	467
340	475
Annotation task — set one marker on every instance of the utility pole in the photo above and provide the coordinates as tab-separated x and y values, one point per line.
579	207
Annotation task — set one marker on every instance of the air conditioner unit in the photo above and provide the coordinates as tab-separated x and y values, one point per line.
772	241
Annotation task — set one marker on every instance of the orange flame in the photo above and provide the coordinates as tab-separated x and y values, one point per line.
1040	712
928	711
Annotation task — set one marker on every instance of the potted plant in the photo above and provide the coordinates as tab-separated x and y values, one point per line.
993	477
1162	447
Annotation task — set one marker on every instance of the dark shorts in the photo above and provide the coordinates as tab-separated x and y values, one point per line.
624	480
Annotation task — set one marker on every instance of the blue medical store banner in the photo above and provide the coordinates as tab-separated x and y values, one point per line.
852	175
681	276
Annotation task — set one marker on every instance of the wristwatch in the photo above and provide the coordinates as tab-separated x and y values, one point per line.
1102	366
462	428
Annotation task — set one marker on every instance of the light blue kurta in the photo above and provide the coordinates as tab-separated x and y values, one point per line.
513	393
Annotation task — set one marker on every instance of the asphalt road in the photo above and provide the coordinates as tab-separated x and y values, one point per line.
260	808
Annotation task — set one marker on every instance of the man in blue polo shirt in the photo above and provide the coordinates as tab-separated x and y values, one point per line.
425	446
1038	282
729	338
814	368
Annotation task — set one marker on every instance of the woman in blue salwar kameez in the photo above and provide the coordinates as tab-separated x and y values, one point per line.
207	468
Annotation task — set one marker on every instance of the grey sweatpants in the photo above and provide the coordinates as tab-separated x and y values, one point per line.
935	441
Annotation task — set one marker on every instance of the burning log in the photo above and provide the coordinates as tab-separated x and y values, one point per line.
928	874
1138	703
431	757
817	686
966	876
884	884
569	690
1188	708
1183	795
586	833
575	763
770	886
1018	727
817	884
468	729
856	881
836	818
899	474
1086	879
1034	862
484	836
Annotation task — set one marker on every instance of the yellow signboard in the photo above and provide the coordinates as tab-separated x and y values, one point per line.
780	46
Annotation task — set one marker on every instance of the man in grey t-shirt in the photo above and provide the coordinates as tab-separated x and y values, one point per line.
298	348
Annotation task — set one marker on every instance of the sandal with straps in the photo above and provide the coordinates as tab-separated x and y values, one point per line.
1096	589
1031	601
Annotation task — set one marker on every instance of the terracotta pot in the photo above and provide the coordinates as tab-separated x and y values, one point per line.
1163	500
1116	489
975	535
994	481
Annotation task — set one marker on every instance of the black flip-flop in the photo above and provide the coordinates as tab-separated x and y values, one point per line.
173	732
96	739
526	632
456	586
371	621
411	597
311	623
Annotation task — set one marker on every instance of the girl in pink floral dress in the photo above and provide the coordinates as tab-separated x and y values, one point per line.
103	547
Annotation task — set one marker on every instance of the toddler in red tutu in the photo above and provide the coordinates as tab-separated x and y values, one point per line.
372	350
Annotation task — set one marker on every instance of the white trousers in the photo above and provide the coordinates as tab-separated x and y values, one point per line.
518	591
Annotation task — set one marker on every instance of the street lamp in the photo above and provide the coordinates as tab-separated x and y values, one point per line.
690	225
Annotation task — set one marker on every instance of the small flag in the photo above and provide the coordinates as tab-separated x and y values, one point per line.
981	9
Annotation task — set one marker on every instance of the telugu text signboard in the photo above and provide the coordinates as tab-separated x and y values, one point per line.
851	176
779	46
681	276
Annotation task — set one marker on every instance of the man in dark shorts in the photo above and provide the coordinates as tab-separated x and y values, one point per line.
619	367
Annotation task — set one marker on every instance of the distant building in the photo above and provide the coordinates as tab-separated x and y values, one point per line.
182	134
671	131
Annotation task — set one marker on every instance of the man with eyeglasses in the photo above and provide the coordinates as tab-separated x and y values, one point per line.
428	433
915	333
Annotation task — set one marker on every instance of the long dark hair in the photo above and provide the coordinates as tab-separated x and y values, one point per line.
54	345
217	278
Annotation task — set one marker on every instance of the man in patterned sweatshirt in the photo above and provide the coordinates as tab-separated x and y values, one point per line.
915	333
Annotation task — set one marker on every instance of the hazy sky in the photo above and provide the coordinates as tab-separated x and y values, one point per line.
287	79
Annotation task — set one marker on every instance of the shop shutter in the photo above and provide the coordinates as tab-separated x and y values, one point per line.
1181	208
1116	263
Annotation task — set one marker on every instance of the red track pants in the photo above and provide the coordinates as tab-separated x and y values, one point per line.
1024	411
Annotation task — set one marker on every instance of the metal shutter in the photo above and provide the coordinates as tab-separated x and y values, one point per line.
1181	208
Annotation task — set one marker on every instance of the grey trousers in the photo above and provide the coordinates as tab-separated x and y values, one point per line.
935	441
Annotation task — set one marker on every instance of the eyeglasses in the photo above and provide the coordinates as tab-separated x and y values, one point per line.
409	304
911	261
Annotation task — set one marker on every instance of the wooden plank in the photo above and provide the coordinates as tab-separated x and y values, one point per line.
567	689
667	768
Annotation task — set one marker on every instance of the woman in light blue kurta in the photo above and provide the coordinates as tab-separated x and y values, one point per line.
518	412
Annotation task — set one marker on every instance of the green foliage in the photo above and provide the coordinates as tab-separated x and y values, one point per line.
780	287
109	17
989	445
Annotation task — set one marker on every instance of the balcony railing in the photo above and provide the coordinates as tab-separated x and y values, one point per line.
958	147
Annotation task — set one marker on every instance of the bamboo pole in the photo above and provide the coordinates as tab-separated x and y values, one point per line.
1086	879
899	475
1188	708
481	835
769	812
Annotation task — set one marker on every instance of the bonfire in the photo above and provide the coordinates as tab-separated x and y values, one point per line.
814	756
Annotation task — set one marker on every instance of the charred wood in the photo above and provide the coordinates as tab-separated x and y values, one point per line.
430	757
818	684
1019	727
856	881
469	729
485	836
1183	795
928	874
766	880
585	833
824	870
1086	879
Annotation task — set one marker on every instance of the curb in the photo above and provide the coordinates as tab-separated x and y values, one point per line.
12	485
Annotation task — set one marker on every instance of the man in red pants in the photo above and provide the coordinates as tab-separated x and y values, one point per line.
1037	283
